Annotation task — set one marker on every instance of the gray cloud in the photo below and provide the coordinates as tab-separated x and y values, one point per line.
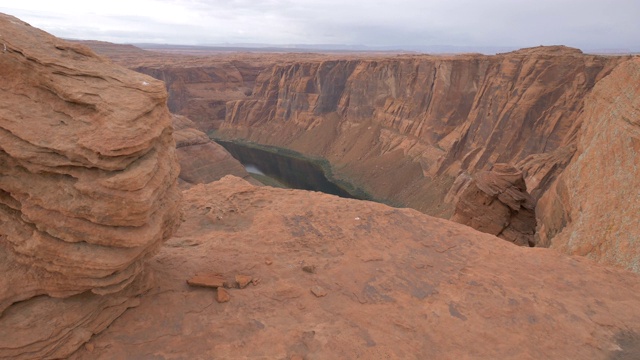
518	23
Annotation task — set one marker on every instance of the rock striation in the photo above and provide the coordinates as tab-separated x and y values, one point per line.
201	159
88	190
593	208
497	202
404	128
423	118
347	279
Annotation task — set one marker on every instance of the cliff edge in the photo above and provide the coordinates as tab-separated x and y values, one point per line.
593	209
323	277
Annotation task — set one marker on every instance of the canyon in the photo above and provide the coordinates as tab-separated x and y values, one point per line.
110	204
412	130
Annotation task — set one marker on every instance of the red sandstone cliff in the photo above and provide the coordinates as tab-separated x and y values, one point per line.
202	160
88	193
410	128
593	209
405	127
201	92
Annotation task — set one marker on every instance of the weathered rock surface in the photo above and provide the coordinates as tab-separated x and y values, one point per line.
200	84
202	160
497	202
87	190
423	119
393	283
593	209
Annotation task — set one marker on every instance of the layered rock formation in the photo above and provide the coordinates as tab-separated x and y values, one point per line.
423	118
347	279
202	160
87	190
404	128
593	209
201	92
497	202
88	193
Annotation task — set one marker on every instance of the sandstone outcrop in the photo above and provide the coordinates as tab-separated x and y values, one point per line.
202	160
593	209
423	119
87	190
388	283
497	202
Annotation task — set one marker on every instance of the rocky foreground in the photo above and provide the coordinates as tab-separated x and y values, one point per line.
89	194
347	279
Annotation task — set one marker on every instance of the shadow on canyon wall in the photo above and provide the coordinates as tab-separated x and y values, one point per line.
291	169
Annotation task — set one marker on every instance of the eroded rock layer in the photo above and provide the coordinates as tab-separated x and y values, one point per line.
497	202
87	189
593	209
404	127
201	159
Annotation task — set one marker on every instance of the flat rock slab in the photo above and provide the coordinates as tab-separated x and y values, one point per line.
207	280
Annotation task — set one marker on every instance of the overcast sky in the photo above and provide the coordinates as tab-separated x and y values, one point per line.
587	24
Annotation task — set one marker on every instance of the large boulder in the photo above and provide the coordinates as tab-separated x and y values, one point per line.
88	190
497	202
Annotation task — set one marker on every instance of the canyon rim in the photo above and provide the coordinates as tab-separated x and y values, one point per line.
109	204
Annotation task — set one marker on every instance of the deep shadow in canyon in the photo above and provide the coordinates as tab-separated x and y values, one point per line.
291	169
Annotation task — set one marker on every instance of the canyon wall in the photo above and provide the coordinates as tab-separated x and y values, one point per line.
202	160
88	194
88	190
198	86
593	209
415	129
405	128
201	92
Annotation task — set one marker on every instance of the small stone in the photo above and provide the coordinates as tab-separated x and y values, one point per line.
255	282
243	280
311	269
222	295
230	284
207	280
89	347
268	261
318	291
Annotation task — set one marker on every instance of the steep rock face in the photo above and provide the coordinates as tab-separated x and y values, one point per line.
593	209
87	190
497	202
202	160
422	118
347	279
201	92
